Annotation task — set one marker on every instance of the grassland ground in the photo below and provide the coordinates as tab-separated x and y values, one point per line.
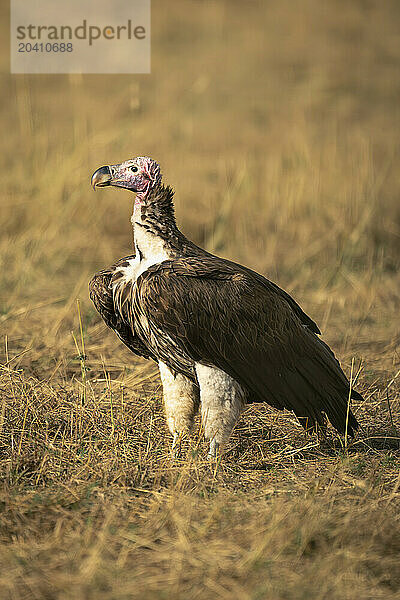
279	130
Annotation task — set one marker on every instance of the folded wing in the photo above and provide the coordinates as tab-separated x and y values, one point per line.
206	310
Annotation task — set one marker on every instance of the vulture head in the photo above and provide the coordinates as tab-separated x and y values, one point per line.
140	175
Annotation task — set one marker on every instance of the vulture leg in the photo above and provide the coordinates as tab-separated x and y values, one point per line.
175	444
181	401
213	451
222	400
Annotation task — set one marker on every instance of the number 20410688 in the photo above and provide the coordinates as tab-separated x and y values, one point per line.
48	47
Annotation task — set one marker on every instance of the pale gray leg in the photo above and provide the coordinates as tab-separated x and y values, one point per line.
222	400
213	450
181	401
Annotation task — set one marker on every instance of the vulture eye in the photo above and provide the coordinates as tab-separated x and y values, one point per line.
134	169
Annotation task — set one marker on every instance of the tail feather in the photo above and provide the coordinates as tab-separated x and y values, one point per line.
313	387
332	388
356	396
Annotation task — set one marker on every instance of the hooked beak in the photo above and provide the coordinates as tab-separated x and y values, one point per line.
102	177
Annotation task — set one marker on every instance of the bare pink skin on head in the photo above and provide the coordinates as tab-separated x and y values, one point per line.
139	175
151	170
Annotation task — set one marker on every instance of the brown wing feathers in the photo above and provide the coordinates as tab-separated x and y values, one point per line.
204	309
101	294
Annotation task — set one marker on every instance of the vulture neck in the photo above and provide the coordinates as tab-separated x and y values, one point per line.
153	220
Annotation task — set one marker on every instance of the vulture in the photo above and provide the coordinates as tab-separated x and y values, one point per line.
222	334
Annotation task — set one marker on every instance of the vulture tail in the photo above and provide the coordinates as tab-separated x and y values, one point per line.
332	390
313	386
356	396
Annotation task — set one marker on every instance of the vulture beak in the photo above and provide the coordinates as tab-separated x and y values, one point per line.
102	177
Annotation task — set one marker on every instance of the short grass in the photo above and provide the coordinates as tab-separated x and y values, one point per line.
278	125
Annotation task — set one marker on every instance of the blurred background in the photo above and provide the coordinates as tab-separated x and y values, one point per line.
277	123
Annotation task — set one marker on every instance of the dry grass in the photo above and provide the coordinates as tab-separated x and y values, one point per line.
278	126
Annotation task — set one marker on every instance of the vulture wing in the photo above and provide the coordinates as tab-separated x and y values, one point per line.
304	318
102	296
206	310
